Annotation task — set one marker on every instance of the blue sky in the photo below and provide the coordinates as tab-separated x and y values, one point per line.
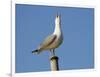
34	23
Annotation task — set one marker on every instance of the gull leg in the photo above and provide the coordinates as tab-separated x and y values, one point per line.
50	52
53	52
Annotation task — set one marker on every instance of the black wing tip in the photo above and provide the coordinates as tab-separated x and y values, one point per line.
35	51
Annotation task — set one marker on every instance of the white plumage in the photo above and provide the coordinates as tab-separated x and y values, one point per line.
52	41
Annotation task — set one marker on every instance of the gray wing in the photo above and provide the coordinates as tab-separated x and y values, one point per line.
48	41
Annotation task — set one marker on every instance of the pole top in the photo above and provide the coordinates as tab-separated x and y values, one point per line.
54	57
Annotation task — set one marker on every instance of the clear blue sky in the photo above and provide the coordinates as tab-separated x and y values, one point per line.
34	23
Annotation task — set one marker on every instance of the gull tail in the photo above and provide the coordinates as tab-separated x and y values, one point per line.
35	51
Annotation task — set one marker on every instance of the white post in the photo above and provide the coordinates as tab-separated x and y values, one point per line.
54	63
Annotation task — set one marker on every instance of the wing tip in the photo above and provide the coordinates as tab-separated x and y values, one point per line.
35	51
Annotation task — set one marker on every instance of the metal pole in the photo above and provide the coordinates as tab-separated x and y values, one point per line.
54	63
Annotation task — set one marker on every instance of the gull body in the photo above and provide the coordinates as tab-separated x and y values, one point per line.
52	41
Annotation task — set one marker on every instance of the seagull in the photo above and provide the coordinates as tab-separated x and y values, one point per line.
52	41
